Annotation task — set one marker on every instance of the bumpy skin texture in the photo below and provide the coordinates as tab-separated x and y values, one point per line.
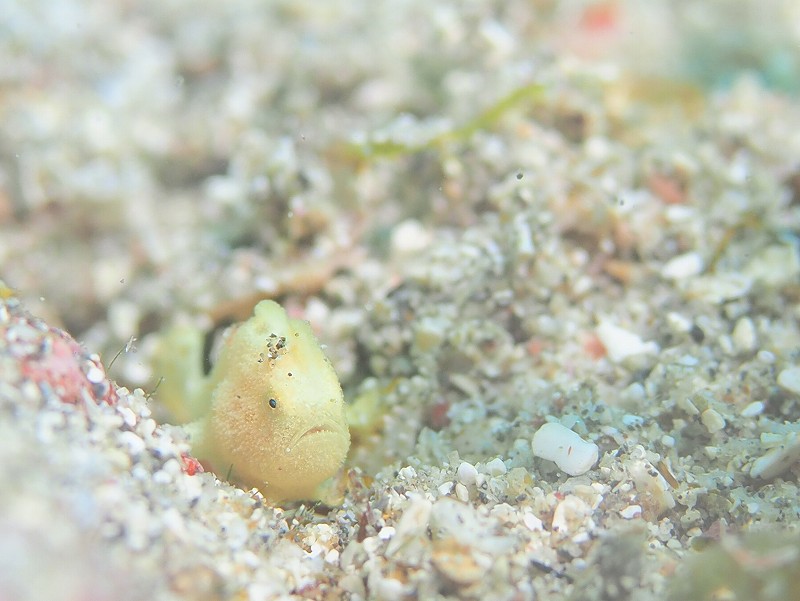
271	412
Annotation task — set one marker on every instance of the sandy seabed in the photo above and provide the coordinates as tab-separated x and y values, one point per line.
495	215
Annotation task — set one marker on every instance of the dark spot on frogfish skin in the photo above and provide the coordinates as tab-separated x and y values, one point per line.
273	403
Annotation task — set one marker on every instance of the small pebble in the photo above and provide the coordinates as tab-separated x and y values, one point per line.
412	523
162	477
770	440
621	343
407	473
532	523
128	416
725	343
95	375
458	565
789	379
753	409
409	238
569	514
147	427
687	405
132	443
775	461
718	289
683	266
429	333
632	421
678	323
631	511
775	266
766	357
496	467
688	360
445	488
635	393
387	589
744	335
466	473
524	246
505	513
332	556
712	420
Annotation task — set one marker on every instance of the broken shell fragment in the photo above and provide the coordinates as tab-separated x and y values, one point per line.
565	448
459	563
622	344
776	461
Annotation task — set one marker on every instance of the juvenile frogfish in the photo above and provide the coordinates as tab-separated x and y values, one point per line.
271	413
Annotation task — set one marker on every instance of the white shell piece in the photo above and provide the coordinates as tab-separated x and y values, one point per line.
561	445
683	266
631	511
496	467
789	379
621	343
775	461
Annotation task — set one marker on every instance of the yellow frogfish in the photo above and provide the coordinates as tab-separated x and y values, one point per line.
271	413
